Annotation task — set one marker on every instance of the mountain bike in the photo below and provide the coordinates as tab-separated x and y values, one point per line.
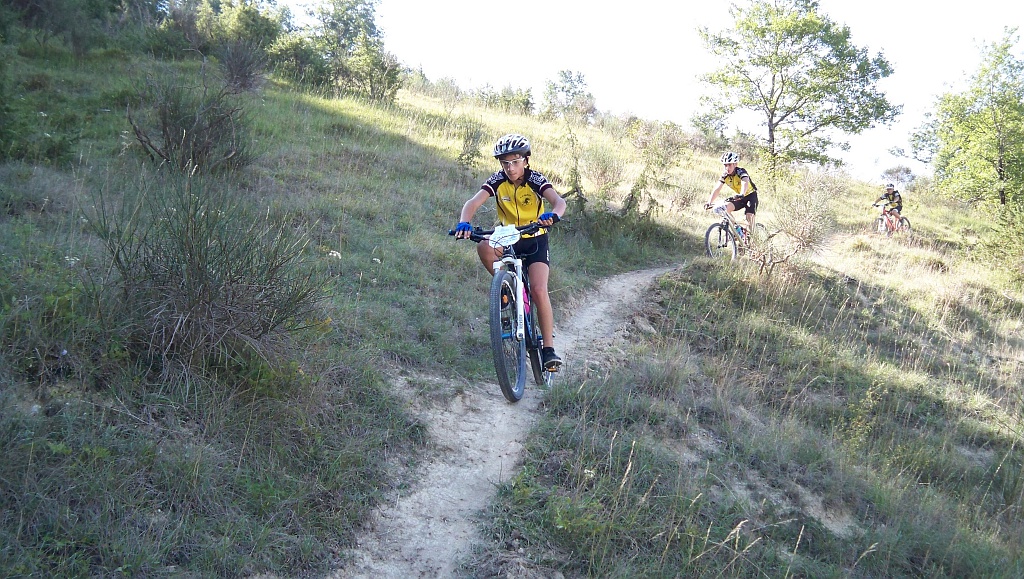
728	238
515	330
888	222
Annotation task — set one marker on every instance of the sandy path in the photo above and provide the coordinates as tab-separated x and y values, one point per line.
479	437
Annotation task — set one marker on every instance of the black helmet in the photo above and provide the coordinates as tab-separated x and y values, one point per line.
512	143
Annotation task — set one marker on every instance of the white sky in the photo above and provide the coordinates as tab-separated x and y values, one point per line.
645	56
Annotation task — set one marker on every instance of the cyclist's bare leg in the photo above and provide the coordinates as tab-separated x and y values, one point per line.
542	301
488	255
729	208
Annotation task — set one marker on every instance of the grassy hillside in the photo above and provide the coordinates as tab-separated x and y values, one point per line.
127	451
856	413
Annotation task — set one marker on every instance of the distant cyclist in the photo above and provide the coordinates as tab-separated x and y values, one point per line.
519	193
742	185
890	202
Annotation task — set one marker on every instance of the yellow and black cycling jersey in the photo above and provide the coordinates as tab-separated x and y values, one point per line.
734	180
892	200
518	205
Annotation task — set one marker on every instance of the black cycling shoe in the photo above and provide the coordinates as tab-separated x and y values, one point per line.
550	359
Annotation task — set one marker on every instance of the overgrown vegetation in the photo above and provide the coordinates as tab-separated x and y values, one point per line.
194	341
858	416
193	362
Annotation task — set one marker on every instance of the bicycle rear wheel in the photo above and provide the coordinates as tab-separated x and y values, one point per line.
904	224
534	342
509	353
719	242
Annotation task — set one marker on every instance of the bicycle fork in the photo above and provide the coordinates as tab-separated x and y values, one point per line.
514	265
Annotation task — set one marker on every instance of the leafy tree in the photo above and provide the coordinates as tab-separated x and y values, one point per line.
800	71
898	174
295	57
229	22
244	21
516	100
373	72
78	22
342	23
660	145
710	129
568	99
975	139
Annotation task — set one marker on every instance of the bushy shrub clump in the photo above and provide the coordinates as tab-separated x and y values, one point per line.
206	282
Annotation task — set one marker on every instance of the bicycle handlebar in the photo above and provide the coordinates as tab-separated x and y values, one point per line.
478	234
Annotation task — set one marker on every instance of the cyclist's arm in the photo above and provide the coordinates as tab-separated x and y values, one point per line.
715	191
470	207
744	185
555	200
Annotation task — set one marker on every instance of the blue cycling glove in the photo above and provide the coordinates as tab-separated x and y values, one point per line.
550	215
463	226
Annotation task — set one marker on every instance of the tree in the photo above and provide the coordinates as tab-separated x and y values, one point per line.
373	72
569	100
342	23
975	139
800	71
660	145
900	174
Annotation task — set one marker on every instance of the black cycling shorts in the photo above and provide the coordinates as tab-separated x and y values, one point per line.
748	204
533	250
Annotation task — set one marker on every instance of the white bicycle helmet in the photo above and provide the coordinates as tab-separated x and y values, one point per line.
730	157
512	143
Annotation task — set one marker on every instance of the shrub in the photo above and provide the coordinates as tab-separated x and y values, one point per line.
372	72
472	133
205	282
192	126
242	63
174	38
295	58
794	229
605	168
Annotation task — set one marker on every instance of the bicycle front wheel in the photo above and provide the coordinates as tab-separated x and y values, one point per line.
509	352
719	242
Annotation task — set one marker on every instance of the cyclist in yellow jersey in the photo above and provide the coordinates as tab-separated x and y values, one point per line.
739	181
519	193
892	201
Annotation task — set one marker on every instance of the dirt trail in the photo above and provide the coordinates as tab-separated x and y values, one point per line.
426	530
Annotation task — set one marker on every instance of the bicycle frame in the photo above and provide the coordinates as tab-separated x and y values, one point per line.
732	224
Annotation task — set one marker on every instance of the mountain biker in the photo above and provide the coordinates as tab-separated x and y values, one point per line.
519	193
739	181
893	202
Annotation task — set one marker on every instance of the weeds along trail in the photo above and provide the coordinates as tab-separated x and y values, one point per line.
477	440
